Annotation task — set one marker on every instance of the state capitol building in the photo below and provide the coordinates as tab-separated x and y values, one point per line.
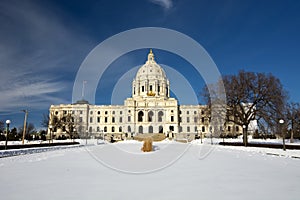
150	109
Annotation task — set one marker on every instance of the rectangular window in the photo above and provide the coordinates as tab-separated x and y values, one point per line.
143	88
172	118
105	119
113	119
150	87
188	129
187	119
98	119
91	120
180	119
129	119
202	119
195	119
203	128
120	119
80	112
80	119
187	112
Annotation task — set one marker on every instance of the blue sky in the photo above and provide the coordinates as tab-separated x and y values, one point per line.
44	42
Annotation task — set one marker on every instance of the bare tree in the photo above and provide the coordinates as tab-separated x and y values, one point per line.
1	126
251	96
30	129
45	120
293	118
66	123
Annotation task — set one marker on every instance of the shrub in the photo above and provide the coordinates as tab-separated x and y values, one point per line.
147	146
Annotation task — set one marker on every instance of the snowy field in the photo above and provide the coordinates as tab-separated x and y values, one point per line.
173	171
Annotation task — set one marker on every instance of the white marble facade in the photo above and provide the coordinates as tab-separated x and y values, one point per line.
150	109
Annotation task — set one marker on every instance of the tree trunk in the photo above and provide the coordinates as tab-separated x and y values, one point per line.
292	136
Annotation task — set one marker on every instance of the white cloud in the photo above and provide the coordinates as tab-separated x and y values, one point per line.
166	4
37	49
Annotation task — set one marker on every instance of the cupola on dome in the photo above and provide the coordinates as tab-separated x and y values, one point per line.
151	69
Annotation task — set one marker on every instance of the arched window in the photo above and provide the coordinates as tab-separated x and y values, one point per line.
129	129
160	116
140	129
161	129
150	116
140	116
150	129
180	129
229	128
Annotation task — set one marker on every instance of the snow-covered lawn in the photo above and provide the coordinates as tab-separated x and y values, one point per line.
175	171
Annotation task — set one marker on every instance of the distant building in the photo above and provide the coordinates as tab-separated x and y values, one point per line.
150	109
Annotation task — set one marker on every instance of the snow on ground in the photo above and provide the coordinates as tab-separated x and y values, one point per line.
36	141
223	173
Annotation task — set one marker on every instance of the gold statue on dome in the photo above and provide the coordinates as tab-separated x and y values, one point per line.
151	94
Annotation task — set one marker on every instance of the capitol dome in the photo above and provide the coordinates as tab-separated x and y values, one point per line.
151	69
150	80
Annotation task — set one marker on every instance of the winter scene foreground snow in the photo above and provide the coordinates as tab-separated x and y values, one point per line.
172	171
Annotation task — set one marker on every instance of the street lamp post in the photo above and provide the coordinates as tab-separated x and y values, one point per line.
199	131
74	134
24	127
245	137
281	122
210	130
50	128
86	138
201	136
223	133
102	133
7	131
